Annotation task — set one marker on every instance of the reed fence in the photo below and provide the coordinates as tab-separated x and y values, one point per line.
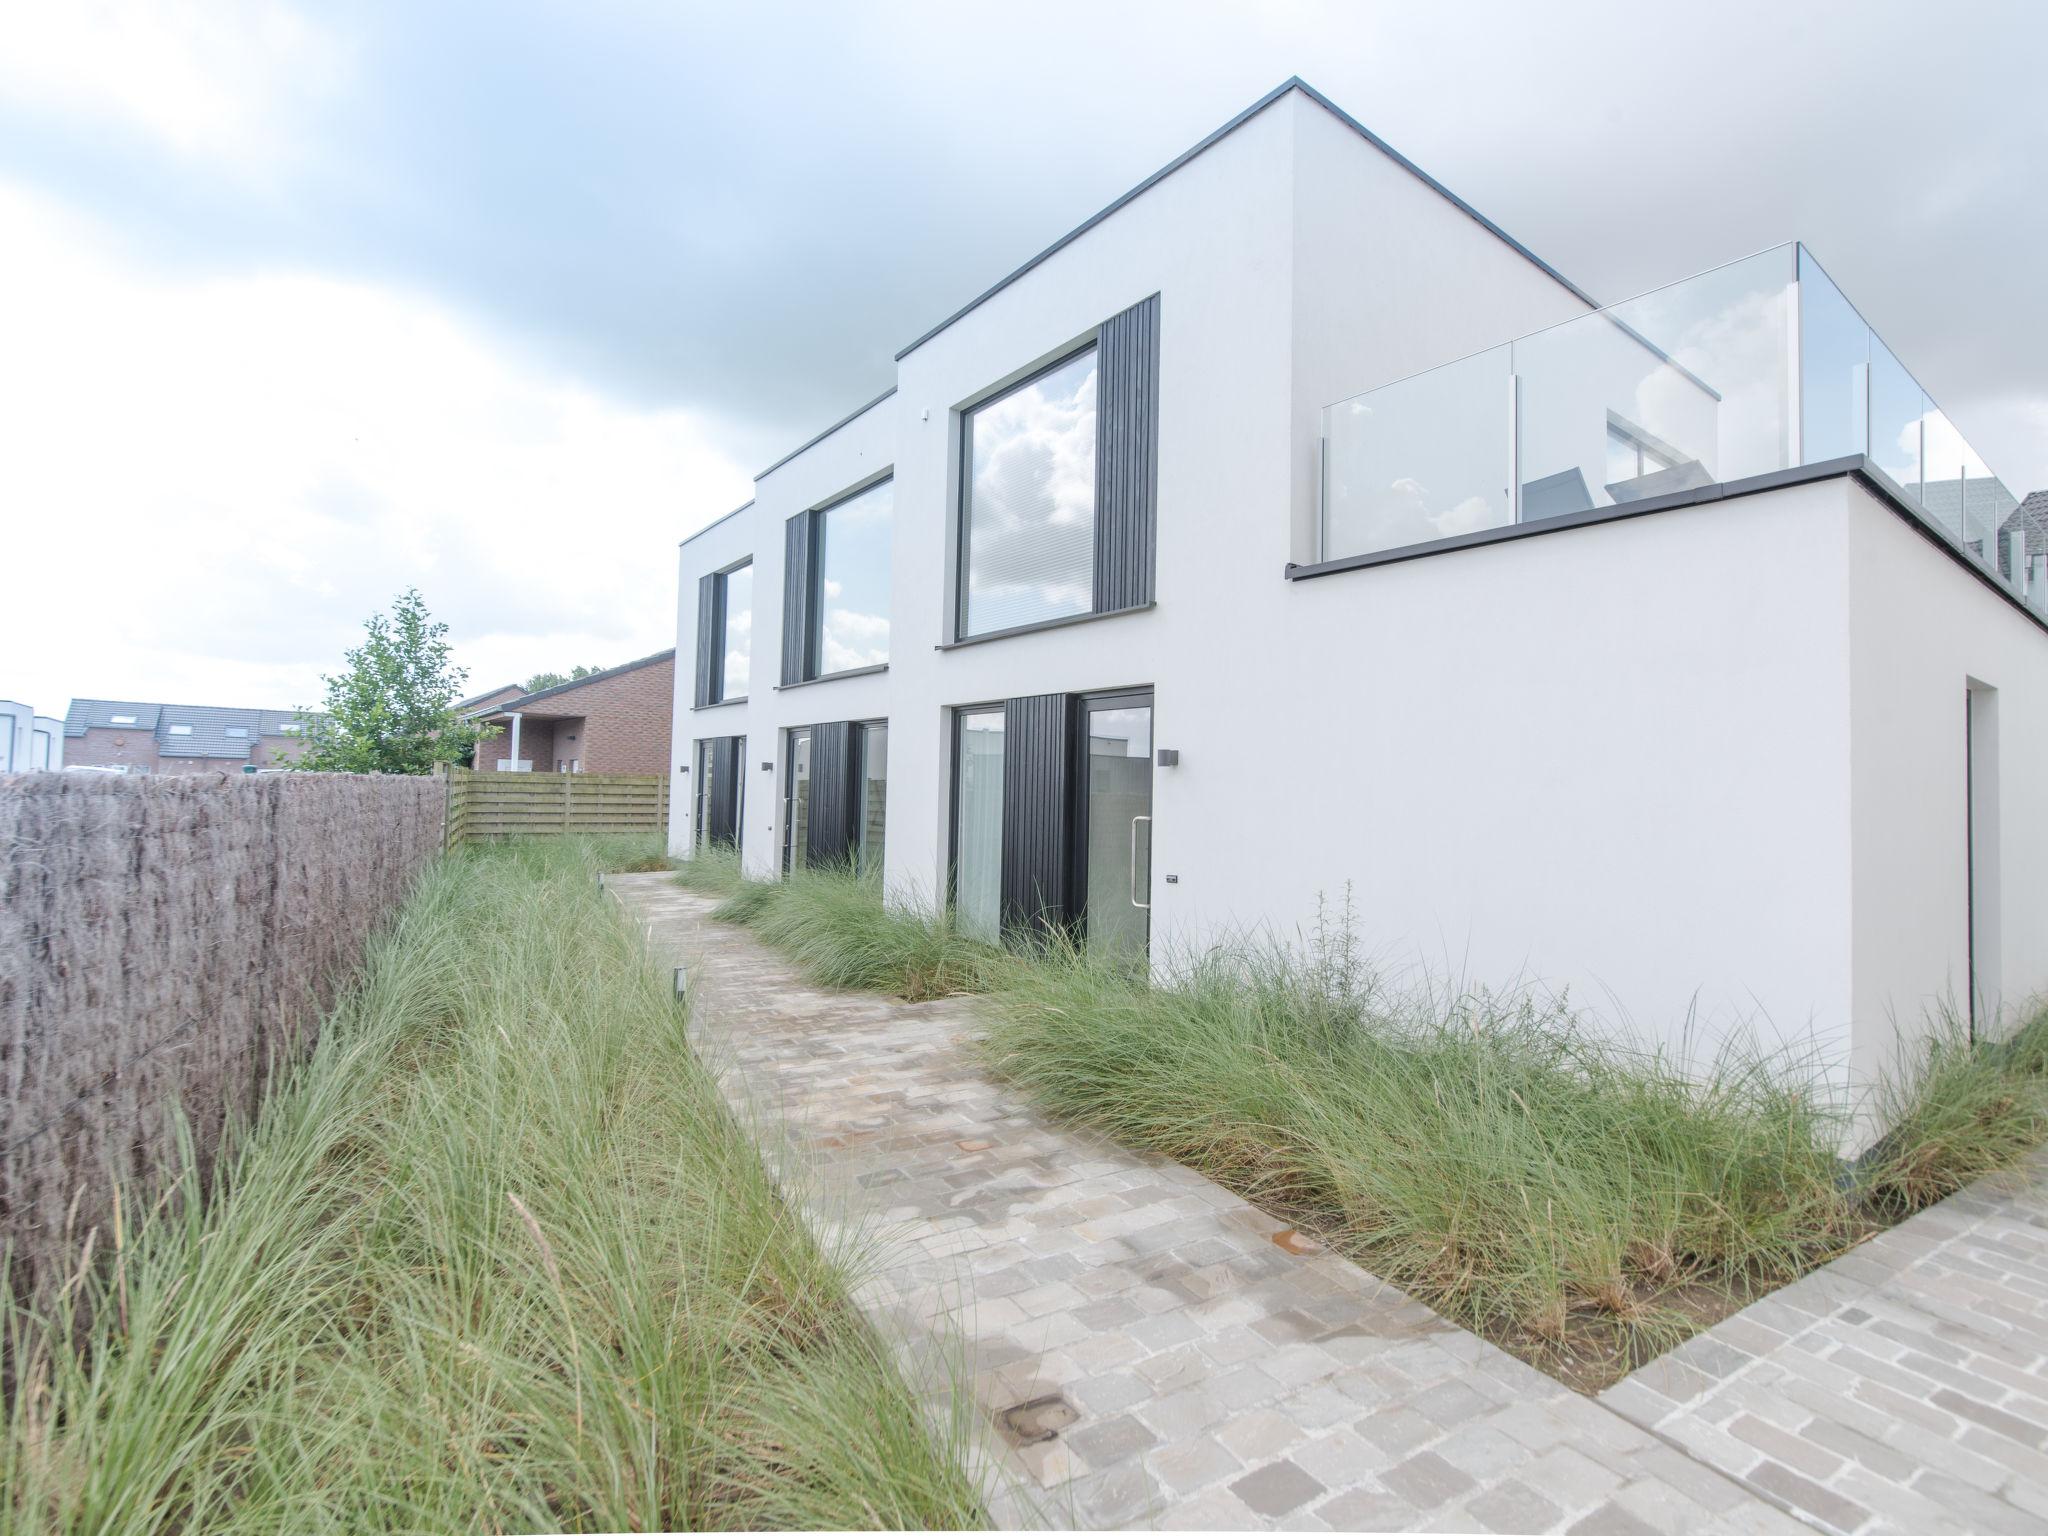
170	941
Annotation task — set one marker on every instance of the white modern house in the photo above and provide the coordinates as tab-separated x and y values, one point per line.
1288	526
29	742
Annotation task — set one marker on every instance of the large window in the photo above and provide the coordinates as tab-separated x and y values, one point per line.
850	611
736	623
1028	473
978	823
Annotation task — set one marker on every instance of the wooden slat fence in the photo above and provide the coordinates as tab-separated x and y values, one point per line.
486	805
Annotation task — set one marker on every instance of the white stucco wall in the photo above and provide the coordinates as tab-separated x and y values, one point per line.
16	721
1925	631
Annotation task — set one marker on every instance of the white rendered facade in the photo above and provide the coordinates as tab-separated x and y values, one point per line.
1704	767
29	742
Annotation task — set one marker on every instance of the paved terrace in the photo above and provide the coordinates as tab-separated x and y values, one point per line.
1163	1354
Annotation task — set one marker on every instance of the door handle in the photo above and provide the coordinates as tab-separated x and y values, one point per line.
1143	906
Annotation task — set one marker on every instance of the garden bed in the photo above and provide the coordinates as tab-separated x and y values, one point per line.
496	1258
1583	1204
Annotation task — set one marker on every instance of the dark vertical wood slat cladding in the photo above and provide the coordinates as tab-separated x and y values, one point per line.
709	635
1126	456
1038	770
724	811
796	596
834	794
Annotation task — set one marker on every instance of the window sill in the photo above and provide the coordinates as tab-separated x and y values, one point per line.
1043	624
833	677
721	704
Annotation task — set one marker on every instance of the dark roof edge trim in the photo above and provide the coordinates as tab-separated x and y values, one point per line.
844	421
525	699
1292	83
1854	467
714	523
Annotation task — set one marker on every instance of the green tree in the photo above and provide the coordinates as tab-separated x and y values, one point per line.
541	680
393	711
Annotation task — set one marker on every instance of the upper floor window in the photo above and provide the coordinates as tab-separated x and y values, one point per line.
725	630
1059	479
851	629
1028	530
835	586
736	616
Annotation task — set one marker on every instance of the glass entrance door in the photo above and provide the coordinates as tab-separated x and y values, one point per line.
1118	811
796	801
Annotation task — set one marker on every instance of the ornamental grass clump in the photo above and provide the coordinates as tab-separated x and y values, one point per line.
1520	1175
495	1258
841	932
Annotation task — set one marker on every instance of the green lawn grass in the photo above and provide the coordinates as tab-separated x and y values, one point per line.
494	1259
1586	1203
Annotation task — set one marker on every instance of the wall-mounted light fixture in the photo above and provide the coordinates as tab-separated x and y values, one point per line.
767	767
1169	757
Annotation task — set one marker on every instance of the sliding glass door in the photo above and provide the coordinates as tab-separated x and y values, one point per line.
978	823
1117	811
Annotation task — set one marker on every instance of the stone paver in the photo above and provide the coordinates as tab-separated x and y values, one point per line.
1219	1378
1903	1387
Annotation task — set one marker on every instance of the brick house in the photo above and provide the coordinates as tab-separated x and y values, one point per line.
179	738
614	721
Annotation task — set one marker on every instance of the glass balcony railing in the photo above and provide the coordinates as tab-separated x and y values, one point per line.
1757	366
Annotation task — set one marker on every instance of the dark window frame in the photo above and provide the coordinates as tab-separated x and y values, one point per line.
789	737
720	614
964	501
814	583
958	714
1138	697
861	729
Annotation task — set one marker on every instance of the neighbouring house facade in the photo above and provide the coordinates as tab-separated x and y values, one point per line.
1288	529
180	738
29	742
614	721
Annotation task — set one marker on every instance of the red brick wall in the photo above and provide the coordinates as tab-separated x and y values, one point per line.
620	725
273	751
536	745
123	746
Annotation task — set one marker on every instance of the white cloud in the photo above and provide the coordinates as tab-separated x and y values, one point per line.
209	78
212	483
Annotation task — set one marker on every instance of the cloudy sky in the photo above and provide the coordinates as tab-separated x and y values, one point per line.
300	305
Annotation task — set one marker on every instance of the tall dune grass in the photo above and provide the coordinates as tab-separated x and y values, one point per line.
495	1258
840	932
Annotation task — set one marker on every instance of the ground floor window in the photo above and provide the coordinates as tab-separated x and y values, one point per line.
978	822
874	796
1052	818
721	791
835	782
796	800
